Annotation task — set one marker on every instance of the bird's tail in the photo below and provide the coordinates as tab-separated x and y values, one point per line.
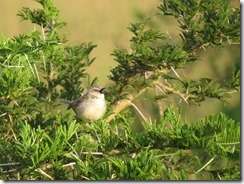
65	101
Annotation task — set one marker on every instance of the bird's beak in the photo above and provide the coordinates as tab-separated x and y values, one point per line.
103	90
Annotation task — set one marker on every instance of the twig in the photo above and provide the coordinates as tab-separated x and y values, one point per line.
175	72
10	164
16	103
32	70
44	173
138	110
92	153
11	120
173	91
43	33
205	165
219	176
160	89
3	114
171	39
9	171
122	104
158	101
69	164
85	177
37	74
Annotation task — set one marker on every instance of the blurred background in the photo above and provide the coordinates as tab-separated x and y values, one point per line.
105	23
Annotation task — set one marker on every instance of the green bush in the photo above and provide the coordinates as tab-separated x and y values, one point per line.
39	140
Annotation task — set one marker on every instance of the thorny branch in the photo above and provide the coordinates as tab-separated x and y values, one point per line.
120	105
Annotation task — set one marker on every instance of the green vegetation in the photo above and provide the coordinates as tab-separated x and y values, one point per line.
39	140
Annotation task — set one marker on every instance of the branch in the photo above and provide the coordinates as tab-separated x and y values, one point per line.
184	96
120	105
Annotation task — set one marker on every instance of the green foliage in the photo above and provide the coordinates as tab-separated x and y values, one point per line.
46	17
39	141
31	65
153	62
97	152
204	23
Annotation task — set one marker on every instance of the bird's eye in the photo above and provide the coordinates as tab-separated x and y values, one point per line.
97	89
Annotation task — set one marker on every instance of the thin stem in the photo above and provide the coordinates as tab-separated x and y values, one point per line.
158	101
44	173
175	72
69	164
182	95
209	162
10	164
122	104
138	110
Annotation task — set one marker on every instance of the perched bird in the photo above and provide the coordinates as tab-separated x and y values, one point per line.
91	106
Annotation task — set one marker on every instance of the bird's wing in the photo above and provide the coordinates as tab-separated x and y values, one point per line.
76	102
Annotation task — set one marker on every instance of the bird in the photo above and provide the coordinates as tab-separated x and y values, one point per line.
90	106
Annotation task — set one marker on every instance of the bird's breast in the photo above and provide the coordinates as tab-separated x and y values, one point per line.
91	110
